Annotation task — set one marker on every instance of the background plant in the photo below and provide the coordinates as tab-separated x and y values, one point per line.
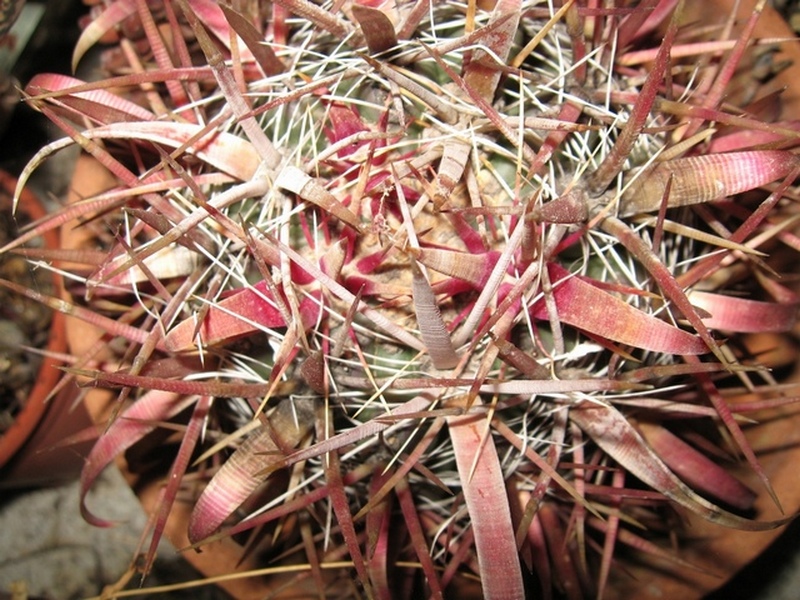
430	290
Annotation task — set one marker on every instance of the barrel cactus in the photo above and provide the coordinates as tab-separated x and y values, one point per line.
441	298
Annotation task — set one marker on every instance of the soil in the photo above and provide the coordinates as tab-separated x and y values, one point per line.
24	323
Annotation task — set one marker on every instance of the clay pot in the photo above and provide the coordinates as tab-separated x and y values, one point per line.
224	557
28	454
721	552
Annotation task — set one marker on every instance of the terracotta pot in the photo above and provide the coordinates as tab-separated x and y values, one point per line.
27	449
721	552
219	558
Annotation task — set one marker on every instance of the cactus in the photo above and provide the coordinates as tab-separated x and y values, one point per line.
434	293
